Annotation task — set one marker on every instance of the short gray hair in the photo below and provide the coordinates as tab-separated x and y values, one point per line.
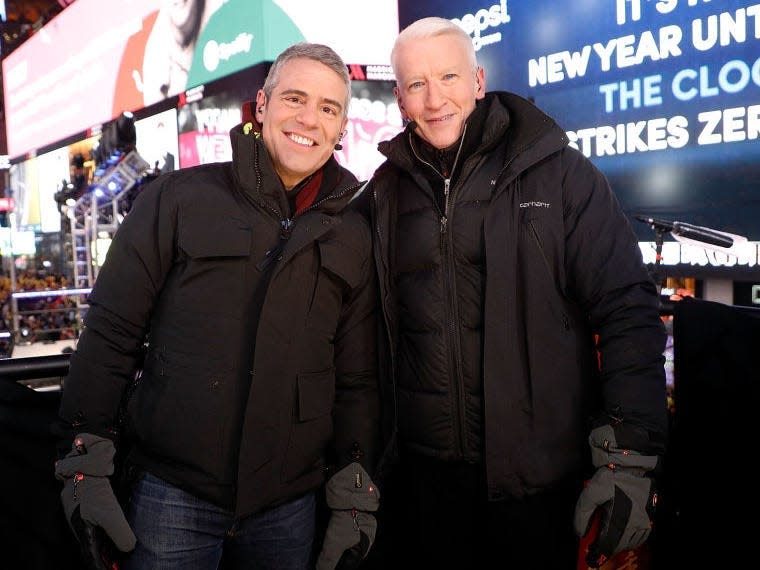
432	27
316	52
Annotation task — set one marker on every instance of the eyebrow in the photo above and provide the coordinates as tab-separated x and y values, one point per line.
306	95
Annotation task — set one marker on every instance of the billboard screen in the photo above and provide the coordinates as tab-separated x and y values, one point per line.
24	185
204	128
373	116
54	172
209	112
663	96
99	58
157	140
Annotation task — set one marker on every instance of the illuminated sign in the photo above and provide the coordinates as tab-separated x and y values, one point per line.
662	95
373	116
673	253
99	58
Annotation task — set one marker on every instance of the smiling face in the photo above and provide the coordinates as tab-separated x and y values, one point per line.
437	85
302	119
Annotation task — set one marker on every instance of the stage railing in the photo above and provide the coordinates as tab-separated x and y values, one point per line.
39	372
24	333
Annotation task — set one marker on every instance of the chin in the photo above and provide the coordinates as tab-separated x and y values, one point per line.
442	142
441	139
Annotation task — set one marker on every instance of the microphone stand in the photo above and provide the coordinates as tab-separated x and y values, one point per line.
666	308
659	238
684	232
666	303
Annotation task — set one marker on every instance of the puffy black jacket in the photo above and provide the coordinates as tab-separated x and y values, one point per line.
245	387
534	226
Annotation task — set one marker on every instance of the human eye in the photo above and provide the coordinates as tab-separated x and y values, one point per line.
416	85
450	76
292	99
330	110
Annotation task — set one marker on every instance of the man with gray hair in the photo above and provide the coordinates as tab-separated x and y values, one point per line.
521	326
245	285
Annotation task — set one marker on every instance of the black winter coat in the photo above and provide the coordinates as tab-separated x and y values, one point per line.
240	410
561	265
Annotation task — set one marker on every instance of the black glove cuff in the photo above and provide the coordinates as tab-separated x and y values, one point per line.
352	488
607	451
90	454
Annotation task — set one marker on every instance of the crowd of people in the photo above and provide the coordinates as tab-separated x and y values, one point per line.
43	318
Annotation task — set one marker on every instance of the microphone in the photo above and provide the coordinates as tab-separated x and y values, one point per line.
689	231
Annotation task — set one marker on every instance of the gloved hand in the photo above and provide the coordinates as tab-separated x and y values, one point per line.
89	502
352	496
621	490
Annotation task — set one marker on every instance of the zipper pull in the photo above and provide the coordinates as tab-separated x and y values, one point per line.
274	254
446	191
270	257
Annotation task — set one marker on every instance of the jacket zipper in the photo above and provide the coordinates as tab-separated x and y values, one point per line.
286	224
275	254
447	255
446	181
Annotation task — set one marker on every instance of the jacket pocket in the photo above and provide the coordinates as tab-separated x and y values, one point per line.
312	425
341	271
174	387
555	297
212	265
343	261
224	237
316	392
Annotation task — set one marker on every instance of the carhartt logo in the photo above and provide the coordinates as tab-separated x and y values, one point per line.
535	205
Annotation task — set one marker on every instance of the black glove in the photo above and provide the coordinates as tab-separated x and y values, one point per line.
352	496
89	502
621	490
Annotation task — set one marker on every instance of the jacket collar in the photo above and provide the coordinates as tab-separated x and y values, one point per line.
257	178
506	114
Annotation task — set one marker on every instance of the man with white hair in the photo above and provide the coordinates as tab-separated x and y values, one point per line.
521	326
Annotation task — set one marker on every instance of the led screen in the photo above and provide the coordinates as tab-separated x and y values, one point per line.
157	140
54	173
99	58
204	128
664	96
373	116
24	189
210	111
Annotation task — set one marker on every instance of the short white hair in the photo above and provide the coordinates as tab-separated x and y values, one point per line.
432	27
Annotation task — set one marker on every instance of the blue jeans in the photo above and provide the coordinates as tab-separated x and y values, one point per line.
177	530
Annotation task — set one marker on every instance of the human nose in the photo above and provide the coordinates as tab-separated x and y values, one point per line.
434	96
307	115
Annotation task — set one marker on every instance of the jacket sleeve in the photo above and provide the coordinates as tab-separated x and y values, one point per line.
605	271
356	412
108	353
